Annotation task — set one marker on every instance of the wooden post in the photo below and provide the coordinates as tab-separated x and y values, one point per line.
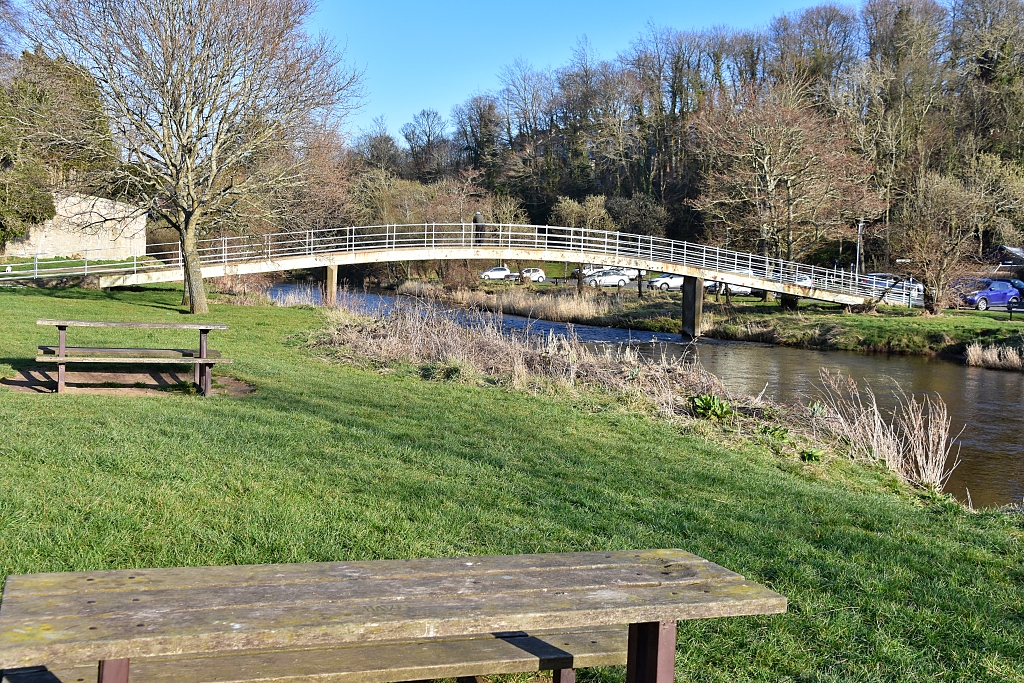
61	351
113	671
203	380
651	652
563	676
331	285
693	304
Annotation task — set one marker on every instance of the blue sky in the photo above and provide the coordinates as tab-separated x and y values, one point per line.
433	55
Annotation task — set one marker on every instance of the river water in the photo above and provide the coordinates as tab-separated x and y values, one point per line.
986	404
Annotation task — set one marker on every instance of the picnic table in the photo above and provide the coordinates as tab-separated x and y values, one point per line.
369	622
202	359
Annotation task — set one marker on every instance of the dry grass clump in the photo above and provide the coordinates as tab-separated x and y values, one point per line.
996	357
914	442
455	345
243	290
561	306
421	289
300	295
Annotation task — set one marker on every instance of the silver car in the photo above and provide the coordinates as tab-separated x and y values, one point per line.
496	273
613	277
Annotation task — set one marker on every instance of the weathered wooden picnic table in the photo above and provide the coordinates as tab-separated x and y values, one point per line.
202	359
368	622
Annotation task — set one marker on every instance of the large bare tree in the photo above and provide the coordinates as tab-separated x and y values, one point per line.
779	173
209	102
937	228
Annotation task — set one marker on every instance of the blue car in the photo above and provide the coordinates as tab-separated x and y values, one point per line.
986	293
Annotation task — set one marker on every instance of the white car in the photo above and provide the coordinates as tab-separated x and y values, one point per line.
588	270
531	274
633	273
612	277
665	282
734	290
737	290
496	273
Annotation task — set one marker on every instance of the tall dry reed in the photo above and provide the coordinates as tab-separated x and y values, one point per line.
300	295
564	306
913	441
449	344
996	357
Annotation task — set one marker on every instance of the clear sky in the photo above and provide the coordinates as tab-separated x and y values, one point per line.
433	55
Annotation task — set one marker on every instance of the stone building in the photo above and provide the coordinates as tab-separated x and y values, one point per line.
86	227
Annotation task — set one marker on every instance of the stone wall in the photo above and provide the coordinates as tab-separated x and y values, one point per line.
86	227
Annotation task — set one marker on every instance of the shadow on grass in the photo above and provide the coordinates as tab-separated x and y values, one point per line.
30	377
126	295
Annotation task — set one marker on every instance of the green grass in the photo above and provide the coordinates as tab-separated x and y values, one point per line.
890	330
328	462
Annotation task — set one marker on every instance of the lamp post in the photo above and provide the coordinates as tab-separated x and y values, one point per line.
860	231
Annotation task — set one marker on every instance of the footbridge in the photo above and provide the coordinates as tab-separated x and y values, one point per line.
334	247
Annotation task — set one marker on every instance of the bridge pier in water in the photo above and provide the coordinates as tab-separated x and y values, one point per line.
331	284
693	305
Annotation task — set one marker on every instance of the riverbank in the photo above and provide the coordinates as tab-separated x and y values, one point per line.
890	329
332	460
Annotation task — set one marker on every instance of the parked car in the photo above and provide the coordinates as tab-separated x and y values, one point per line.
740	290
531	274
496	273
736	290
588	269
897	285
991	293
611	277
665	282
633	273
1014	282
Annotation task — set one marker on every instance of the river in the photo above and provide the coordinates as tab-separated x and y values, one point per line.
986	404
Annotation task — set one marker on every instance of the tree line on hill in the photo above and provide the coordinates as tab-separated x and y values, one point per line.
899	119
904	118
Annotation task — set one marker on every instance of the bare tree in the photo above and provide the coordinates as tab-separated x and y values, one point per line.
8	17
378	148
428	144
780	173
937	233
208	102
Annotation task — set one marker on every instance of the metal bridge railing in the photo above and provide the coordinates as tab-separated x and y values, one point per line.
587	245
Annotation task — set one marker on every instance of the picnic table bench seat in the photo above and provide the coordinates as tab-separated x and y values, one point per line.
466	657
367	622
203	358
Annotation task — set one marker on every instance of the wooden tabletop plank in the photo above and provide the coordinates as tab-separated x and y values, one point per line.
132	325
362	590
166	360
24	642
379	663
134	353
53	583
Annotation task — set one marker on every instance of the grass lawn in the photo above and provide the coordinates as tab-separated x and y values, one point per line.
328	462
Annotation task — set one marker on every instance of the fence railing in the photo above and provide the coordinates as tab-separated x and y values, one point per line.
586	245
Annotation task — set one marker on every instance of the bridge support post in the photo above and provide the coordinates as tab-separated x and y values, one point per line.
331	284
693	305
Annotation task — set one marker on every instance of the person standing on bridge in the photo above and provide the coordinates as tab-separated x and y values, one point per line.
479	228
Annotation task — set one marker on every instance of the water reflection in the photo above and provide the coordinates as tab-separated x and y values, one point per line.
986	401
